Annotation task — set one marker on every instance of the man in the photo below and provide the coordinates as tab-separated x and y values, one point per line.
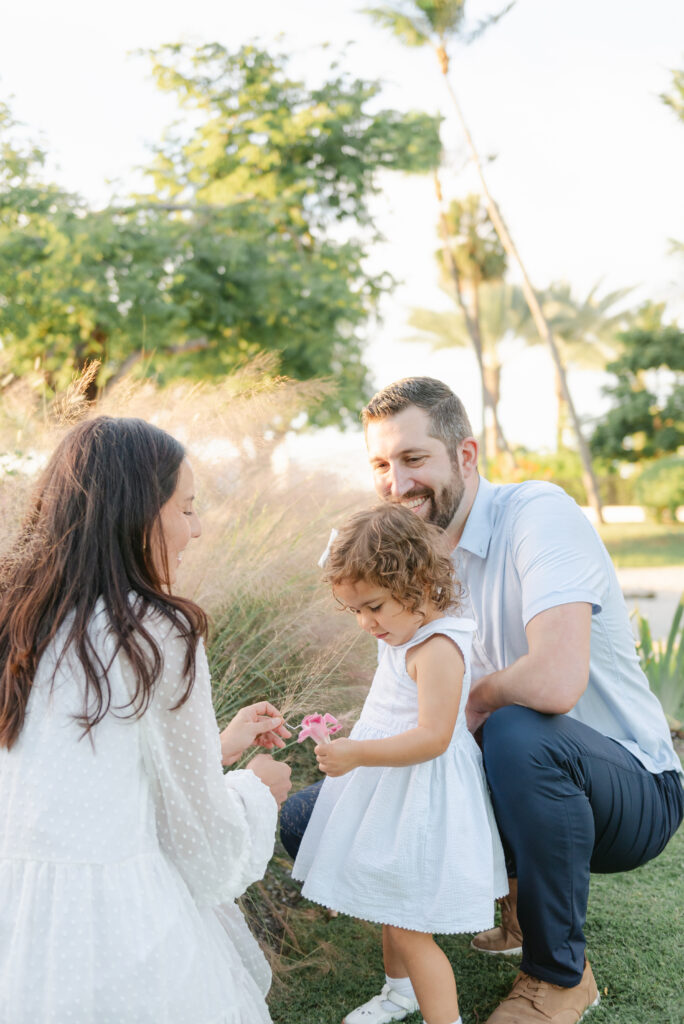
577	750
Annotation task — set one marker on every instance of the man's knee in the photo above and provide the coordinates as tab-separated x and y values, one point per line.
290	834
294	817
517	741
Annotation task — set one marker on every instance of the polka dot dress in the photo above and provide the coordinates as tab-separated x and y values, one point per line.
122	853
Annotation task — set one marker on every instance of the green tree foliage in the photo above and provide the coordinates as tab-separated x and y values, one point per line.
661	486
252	239
259	133
647	419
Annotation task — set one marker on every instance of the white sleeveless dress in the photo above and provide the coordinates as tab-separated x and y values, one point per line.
417	846
121	855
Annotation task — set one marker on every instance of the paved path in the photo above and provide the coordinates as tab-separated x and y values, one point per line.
655	592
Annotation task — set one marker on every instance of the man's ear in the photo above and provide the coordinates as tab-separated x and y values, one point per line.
468	451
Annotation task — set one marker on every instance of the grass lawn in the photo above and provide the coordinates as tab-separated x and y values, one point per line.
635	936
632	545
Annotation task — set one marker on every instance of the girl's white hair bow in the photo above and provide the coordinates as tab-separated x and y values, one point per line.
326	554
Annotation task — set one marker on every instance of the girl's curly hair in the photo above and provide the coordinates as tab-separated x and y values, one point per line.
393	548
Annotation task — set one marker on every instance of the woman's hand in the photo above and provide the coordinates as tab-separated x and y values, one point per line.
274	774
337	757
260	724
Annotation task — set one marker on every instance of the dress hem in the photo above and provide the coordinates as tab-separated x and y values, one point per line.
462	929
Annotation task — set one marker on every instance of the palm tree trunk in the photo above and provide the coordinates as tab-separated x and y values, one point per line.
562	407
492	432
473	327
468	296
492	375
542	326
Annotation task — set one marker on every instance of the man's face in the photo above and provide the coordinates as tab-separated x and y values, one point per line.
412	468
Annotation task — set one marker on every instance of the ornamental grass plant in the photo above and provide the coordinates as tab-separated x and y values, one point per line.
274	630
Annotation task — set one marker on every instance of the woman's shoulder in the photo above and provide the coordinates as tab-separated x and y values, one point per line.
164	627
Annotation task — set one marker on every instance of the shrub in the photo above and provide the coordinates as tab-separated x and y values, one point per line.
660	486
664	665
564	468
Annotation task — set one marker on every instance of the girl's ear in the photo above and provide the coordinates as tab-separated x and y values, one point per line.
423	607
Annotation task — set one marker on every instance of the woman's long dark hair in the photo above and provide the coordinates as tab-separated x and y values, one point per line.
88	536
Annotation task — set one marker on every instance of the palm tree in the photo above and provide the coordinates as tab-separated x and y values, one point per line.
437	23
586	332
471	253
500	310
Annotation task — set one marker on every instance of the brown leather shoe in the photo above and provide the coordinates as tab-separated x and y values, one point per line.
507	938
532	1001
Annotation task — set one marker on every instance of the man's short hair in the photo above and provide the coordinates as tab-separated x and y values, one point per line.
449	421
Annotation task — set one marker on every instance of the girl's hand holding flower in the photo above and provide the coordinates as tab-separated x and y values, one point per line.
318	728
337	757
330	755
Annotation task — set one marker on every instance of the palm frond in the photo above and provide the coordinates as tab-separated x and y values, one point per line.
485	23
411	31
445	329
586	330
417	22
502	312
445	16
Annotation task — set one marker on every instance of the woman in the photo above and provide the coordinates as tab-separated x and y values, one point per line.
122	844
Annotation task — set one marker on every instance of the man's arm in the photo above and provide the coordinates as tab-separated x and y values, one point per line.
551	677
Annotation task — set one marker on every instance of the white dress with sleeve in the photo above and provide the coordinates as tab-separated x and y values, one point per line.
417	846
122	853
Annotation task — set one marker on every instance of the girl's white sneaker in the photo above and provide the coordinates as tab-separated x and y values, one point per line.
373	1012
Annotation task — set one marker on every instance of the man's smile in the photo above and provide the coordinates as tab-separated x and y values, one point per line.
414	503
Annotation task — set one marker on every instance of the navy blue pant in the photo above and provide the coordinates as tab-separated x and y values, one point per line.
568	801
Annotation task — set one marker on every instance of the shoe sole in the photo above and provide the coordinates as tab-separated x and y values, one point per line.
516	951
408	1012
590	1008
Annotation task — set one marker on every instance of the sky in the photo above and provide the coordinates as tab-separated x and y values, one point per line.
587	163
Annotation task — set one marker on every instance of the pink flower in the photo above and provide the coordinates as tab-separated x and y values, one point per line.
318	727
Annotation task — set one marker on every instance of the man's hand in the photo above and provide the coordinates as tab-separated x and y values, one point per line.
337	757
550	678
274	774
260	724
477	711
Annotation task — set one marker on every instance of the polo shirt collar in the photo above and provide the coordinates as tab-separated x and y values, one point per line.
477	532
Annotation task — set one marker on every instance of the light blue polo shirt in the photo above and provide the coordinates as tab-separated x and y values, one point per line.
528	547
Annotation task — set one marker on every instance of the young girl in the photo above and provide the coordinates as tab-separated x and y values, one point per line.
403	832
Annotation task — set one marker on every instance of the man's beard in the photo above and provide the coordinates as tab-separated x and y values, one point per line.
443	505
